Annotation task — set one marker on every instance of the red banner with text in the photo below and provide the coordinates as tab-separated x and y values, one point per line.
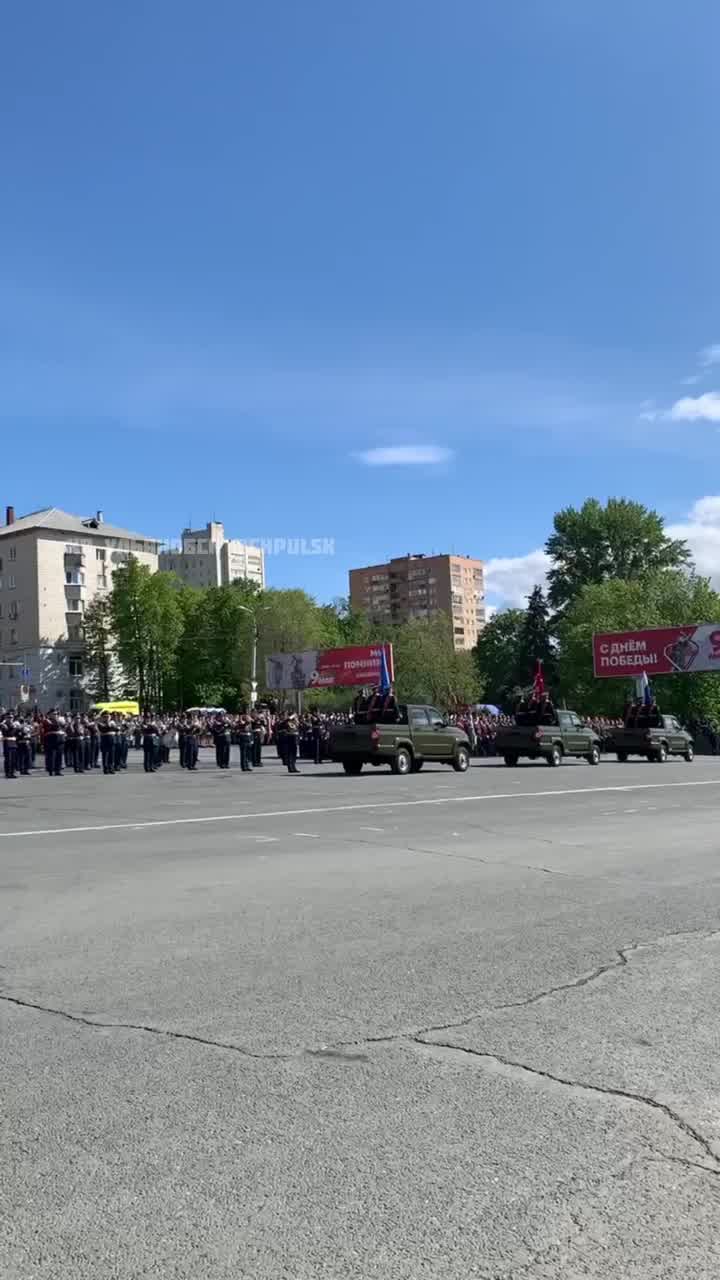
360	664
659	651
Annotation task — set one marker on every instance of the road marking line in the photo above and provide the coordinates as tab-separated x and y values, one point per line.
309	835
380	829
488	798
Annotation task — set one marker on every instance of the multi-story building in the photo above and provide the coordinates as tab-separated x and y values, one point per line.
207	559
52	565
417	586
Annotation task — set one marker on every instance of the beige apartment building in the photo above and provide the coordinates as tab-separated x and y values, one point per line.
207	559
52	565
416	586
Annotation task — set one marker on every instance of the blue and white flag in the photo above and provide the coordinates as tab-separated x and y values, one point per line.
647	693
384	673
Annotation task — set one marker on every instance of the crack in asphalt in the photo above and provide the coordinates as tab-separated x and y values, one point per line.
149	1030
469	857
611	1091
620	960
419	1038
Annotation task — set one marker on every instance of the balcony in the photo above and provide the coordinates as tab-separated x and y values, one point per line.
75	591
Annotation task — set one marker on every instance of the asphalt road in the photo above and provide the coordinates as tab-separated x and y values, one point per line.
440	1026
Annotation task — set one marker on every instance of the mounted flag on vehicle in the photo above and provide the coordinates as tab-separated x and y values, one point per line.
539	681
646	689
385	682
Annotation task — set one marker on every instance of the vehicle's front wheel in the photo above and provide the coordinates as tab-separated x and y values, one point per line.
690	753
511	759
461	763
555	757
352	766
402	761
594	755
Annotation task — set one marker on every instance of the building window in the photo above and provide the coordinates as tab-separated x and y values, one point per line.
59	694
74	633
13	636
12	553
76	700
99	553
11	582
76	666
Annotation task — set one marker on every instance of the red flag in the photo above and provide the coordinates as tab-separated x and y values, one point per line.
539	681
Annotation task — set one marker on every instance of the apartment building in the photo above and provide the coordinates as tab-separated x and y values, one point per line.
416	586
207	559
52	565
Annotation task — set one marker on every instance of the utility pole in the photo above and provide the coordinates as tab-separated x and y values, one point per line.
253	656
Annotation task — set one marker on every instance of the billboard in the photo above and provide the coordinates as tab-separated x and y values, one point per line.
328	668
661	651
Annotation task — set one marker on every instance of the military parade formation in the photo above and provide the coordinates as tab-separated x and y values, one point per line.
102	742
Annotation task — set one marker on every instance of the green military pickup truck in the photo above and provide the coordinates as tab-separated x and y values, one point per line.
566	736
654	741
405	740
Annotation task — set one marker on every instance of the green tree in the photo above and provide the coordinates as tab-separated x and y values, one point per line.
669	598
497	657
535	640
427	668
148	623
622	540
101	664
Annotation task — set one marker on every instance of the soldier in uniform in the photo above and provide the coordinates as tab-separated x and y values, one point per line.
316	730
150	737
245	741
54	744
221	738
108	730
182	738
9	729
193	729
291	730
76	741
93	743
24	733
258	736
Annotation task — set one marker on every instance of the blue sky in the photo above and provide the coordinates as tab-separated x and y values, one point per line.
246	246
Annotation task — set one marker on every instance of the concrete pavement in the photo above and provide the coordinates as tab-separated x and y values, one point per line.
441	1026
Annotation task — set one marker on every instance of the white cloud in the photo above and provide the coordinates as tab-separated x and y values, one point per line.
709	355
704	408
701	531
405	455
510	579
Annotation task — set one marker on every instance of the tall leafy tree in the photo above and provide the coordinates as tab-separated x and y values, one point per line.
427	668
535	640
622	540
500	666
148	624
101	664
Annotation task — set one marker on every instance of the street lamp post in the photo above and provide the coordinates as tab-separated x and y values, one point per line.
253	658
